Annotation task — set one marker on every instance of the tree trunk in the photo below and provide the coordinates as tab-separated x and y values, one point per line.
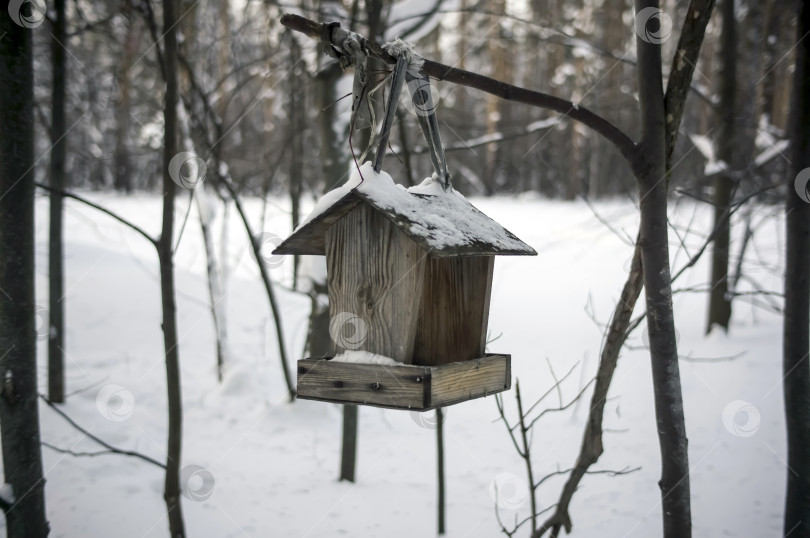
56	275
335	169
216	292
295	112
440	466
796	342
651	177
171	488
348	447
19	414
719	300
123	106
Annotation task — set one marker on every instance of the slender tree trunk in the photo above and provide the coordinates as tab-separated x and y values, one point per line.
295	112
348	447
796	342
171	488
19	414
651	177
216	293
440	467
56	276
335	168
123	107
719	300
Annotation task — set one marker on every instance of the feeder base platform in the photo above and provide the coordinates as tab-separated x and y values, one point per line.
405	386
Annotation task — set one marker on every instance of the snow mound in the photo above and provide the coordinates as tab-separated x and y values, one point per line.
365	357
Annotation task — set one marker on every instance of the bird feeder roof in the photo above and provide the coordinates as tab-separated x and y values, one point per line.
443	223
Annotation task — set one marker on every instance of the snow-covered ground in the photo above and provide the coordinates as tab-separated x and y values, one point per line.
268	468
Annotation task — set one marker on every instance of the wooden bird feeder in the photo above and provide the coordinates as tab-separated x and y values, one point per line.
409	278
411	275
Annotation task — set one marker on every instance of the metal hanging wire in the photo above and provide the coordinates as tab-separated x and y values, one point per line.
425	108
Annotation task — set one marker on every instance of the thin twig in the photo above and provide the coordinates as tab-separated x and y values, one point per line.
98	440
87	202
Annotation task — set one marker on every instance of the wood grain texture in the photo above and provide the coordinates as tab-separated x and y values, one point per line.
417	388
476	378
375	272
454	310
398	387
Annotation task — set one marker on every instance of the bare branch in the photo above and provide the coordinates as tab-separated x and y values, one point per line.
683	67
109	447
87	202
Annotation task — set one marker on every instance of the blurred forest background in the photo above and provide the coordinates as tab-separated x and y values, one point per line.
284	128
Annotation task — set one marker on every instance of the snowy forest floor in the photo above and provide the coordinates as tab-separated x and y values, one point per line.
274	465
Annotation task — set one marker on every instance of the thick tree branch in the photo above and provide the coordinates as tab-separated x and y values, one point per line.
445	73
683	67
591	447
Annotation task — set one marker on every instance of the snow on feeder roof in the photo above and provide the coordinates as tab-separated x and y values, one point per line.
442	223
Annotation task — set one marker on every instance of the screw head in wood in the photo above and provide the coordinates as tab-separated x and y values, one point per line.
376	386
302	370
338	384
418	379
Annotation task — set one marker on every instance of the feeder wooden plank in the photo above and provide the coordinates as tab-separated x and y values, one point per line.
373	271
461	381
401	387
417	388
453	316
